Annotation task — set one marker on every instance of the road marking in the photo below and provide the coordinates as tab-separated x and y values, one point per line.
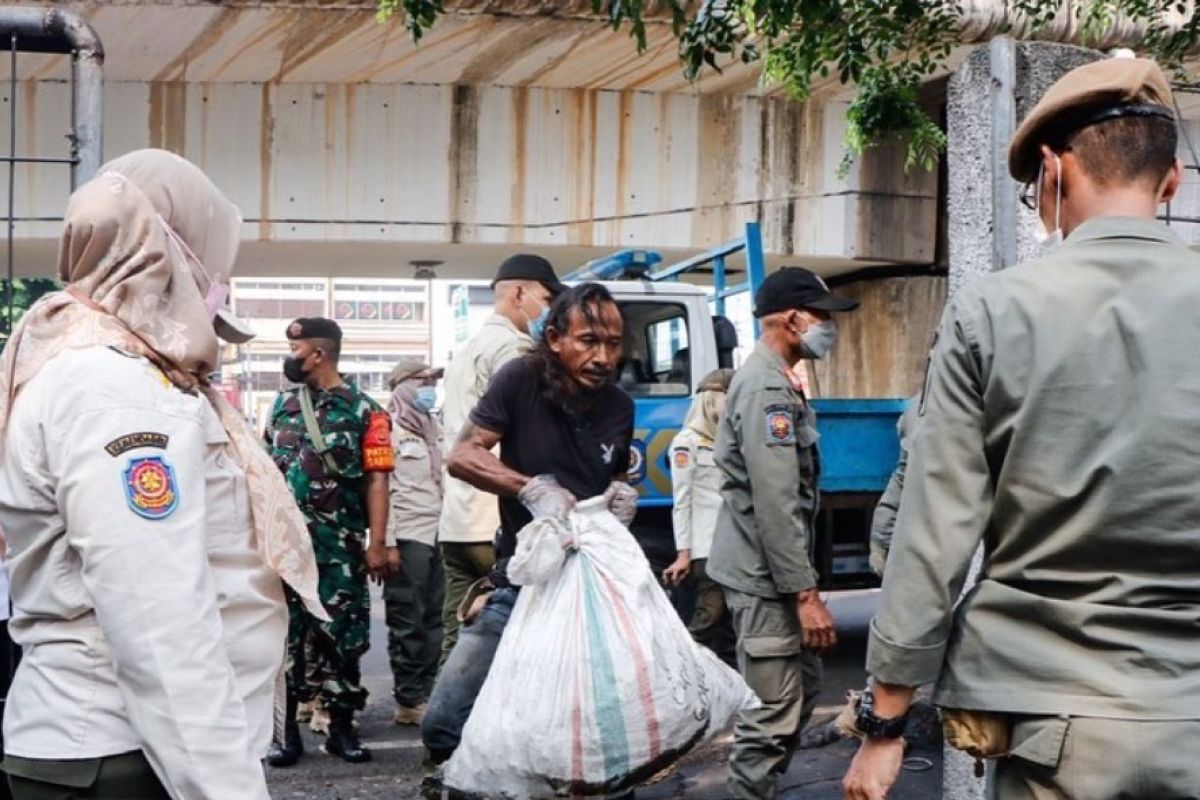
393	744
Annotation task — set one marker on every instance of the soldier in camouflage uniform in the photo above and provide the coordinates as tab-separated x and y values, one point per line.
342	489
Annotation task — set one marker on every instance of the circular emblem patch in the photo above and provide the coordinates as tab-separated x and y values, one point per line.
150	487
295	329
637	462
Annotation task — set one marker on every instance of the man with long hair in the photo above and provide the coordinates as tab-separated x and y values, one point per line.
564	430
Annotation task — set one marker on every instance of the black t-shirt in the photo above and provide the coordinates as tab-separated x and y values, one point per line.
584	451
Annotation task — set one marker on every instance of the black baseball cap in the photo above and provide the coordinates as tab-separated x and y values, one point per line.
314	328
528	267
796	287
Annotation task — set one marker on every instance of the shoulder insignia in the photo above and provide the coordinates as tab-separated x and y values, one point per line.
681	458
779	425
377	444
132	441
150	487
159	375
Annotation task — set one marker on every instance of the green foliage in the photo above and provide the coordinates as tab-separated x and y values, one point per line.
887	48
26	291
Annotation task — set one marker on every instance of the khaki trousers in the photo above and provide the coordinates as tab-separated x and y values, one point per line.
787	680
124	777
463	564
1083	758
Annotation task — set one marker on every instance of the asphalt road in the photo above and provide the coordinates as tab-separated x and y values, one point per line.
396	771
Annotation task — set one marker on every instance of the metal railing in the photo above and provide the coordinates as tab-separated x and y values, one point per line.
62	31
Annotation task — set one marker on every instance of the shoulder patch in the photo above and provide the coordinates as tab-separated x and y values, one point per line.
132	441
377	444
780	428
681	458
150	487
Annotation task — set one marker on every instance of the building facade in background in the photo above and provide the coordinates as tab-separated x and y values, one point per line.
382	320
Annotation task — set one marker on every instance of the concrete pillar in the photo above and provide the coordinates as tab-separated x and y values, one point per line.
974	218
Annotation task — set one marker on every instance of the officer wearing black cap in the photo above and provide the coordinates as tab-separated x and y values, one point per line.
333	444
524	286
766	448
1059	428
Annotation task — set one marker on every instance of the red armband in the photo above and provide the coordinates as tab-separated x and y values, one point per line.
377	444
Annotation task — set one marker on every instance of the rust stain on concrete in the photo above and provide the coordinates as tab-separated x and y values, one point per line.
436	40
205	40
249	47
266	144
520	123
312	34
582	170
463	156
624	148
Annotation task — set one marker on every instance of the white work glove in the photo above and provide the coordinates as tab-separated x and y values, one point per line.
622	501
545	497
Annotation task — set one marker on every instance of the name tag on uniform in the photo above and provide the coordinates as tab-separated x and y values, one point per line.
780	427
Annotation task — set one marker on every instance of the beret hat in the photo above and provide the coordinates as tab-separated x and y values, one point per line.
1104	89
314	328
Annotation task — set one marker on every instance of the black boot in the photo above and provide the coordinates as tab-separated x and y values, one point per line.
289	752
343	741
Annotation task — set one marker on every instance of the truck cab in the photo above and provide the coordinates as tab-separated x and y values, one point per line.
672	340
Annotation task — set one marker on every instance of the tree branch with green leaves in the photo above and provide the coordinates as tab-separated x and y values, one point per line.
885	48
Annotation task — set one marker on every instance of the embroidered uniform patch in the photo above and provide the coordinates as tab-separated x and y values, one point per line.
780	429
132	441
378	455
681	459
150	487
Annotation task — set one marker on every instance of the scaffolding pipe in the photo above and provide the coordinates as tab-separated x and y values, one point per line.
60	30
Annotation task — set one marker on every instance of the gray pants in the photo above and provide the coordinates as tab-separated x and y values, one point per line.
1081	758
786	678
413	607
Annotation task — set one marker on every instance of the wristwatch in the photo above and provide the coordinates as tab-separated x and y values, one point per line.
871	725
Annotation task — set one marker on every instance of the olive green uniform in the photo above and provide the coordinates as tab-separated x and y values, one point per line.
883	522
323	657
766	448
1060	428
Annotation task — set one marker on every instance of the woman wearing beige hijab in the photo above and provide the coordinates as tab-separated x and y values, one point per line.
147	532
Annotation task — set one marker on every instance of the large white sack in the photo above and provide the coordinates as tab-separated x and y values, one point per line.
597	684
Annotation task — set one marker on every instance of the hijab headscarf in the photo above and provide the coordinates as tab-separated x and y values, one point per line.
708	406
141	247
402	405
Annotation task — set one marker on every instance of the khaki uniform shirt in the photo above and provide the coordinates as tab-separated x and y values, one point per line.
767	451
883	522
469	515
696	486
147	617
1060	426
416	495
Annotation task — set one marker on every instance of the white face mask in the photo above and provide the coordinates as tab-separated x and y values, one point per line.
819	338
1049	240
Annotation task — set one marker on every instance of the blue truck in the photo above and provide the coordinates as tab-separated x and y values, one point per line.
675	333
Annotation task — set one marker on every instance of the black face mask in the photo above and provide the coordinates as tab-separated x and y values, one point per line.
293	369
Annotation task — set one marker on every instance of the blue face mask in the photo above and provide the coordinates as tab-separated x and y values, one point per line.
537	326
427	397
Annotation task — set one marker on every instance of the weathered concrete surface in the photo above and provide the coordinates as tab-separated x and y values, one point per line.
405	165
970	220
